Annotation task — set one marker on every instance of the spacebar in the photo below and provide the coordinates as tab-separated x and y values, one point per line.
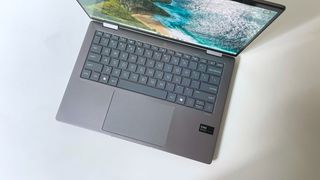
142	89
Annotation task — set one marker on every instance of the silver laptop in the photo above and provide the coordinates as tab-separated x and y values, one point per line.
156	72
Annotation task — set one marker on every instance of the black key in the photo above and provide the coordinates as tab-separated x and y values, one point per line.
107	70
134	77
200	103
170	52
184	63
142	89
116	72
204	77
208	88
130	41
122	46
139	51
123	65
131	48
93	66
198	107
195	84
195	58
152	82
177	70
214	80
185	82
148	53
186	72
159	65
219	65
208	107
142	60
150	63
166	58
143	79
204	96
99	33
158	74
214	70
104	42
167	76
141	69
155	48
171	97
107	35
96	39
94	57
212	63
157	56
203	61
95	76
190	102
125	75
115	53
132	67
106	51
178	54
175	60
188	92
96	48
113	44
161	84
186	56
113	81
193	65
114	62
123	39
168	67
105	60
115	37
123	55
170	87
104	79
176	79
202	67
163	50
195	75
181	99
138	43
86	74
150	72
133	58
146	45
179	89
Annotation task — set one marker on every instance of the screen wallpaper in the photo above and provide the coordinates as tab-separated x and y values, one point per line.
223	25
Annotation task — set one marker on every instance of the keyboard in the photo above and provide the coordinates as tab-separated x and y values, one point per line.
153	71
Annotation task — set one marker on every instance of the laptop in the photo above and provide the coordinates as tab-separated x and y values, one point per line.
157	72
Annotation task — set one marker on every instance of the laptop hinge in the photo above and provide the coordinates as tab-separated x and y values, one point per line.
214	53
111	26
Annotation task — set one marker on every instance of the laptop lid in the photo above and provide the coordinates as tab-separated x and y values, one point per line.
225	26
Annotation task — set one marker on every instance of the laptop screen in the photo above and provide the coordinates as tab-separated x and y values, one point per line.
223	25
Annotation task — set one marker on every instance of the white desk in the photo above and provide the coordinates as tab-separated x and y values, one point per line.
271	123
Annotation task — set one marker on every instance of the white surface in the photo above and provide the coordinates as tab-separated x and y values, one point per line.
272	121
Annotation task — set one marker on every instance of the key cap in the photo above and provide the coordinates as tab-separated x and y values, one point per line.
185	82
208	88
214	80
106	51
186	72
141	60
195	75
105	60
175	60
168	67
195	84
141	69
176	79
202	67
143	79
150	72
131	48
204	77
123	55
115	53
125	75
94	57
157	56
179	89
104	42
116	72
134	77
133	58
107	70
139	51
122	46
114	62
158	74
193	65
142	89
86	74
99	33
190	102
198	107
132	67
152	82
171	97
113	81
166	58
95	76
204	96
208	107
167	77
150	63
214	71
96	39
104	79
181	99
113	44
161	84
188	92
159	65
184	63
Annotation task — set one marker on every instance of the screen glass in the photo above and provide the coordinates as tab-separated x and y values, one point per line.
223	25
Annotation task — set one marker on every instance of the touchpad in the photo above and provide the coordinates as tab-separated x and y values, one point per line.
139	117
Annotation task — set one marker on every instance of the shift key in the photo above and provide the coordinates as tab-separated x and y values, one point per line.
204	96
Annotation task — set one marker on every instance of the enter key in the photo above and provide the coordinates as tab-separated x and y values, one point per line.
209	88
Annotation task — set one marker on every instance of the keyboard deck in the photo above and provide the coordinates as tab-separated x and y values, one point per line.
153	71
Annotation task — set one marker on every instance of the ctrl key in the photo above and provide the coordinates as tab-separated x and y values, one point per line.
85	74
